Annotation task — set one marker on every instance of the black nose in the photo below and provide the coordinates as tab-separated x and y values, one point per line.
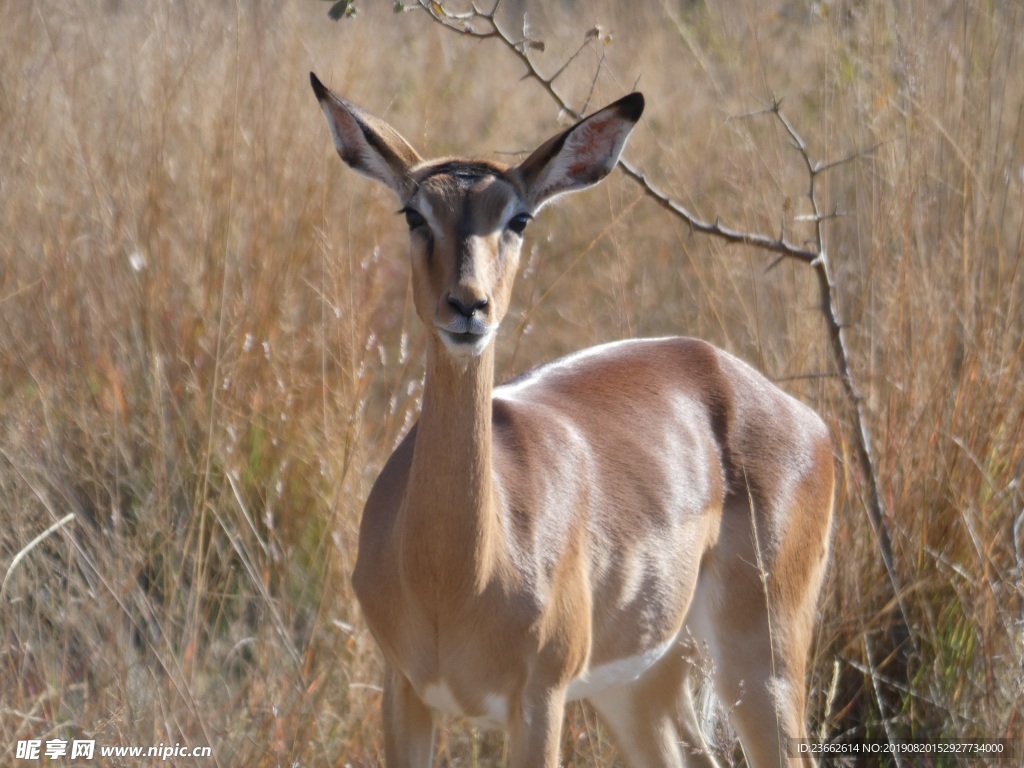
465	309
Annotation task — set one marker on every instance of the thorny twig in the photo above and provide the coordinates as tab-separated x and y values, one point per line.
816	257
837	337
464	24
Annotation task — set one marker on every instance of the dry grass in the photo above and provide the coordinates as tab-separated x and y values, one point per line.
207	348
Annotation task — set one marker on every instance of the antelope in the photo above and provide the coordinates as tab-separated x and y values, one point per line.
590	528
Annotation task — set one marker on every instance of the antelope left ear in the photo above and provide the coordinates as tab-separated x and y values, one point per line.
368	144
581	156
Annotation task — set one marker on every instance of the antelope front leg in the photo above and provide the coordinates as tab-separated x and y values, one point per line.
408	724
535	729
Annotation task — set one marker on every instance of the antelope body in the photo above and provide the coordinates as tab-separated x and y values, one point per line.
584	531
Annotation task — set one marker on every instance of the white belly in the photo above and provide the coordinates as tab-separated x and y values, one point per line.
494	714
618	672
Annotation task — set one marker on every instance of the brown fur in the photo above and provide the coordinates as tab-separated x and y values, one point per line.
588	528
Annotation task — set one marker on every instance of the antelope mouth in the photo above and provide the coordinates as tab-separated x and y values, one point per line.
465	336
468	337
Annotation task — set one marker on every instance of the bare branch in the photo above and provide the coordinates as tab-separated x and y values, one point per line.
775	245
822	167
820	217
586	43
593	83
877	513
764	242
806	376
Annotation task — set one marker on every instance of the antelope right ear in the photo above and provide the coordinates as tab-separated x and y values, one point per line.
366	143
582	155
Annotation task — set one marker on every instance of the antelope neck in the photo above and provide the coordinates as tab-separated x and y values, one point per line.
449	501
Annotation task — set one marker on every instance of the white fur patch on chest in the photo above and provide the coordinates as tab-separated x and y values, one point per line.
618	672
494	712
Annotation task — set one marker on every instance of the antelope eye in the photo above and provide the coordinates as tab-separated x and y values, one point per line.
413	218
518	223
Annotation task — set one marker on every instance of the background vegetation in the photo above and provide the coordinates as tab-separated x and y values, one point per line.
207	347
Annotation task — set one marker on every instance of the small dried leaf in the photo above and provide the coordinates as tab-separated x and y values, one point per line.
344	9
535	45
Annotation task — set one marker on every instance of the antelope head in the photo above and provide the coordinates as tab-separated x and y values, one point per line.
466	218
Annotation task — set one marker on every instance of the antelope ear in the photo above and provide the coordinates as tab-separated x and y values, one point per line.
581	156
366	143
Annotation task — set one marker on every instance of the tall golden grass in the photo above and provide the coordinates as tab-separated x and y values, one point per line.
207	347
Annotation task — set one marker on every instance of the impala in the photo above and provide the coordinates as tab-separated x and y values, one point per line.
588	529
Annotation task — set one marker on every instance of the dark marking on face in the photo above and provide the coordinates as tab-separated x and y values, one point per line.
464	170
